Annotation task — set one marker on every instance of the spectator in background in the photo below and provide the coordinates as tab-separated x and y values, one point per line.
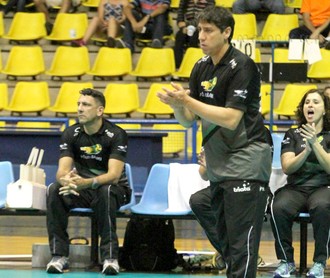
43	5
327	91
252	6
108	20
186	16
305	158
316	19
146	19
10	4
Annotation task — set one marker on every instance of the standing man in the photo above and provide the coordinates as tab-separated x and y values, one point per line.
91	174
224	94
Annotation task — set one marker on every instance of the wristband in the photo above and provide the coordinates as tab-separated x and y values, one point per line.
95	184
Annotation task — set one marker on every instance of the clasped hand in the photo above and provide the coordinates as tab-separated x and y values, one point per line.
308	132
70	183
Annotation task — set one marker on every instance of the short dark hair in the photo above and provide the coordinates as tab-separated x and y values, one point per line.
220	17
300	111
95	94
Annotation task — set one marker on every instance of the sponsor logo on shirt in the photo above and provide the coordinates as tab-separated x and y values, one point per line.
122	148
244	188
96	149
240	93
109	134
64	146
233	63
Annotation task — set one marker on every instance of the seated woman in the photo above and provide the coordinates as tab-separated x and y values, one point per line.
305	159
108	20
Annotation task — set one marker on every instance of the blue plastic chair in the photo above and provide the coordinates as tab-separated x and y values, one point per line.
6	177
277	141
154	200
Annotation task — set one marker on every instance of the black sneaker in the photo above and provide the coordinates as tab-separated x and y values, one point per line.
58	265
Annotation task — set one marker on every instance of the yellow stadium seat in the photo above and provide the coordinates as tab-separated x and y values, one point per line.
27	26
152	105
69	61
121	98
29	97
265	98
66	100
155	62
320	69
130	126
174	142
68	27
295	4
225	3
290	99
112	62
191	56
175	4
2	25
245	26
24	61
34	125
281	55
278	26
91	3
3	95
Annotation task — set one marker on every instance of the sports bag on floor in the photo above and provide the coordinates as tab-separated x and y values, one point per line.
149	245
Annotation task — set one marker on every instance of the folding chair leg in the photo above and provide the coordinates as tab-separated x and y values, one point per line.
94	242
303	246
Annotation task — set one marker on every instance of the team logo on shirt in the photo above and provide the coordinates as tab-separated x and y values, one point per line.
209	84
95	149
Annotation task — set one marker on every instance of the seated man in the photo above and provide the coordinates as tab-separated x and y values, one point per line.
251	6
147	20
91	174
316	19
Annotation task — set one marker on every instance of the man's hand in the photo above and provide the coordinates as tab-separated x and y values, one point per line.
175	98
71	183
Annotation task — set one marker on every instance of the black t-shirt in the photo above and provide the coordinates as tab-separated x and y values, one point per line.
310	173
243	153
91	153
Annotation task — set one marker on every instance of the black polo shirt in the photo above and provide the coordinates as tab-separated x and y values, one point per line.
311	173
91	153
234	82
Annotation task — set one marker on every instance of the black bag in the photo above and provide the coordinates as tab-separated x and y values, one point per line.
149	245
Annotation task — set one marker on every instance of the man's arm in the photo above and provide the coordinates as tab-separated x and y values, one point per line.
186	108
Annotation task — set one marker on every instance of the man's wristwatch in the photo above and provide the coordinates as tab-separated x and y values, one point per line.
95	184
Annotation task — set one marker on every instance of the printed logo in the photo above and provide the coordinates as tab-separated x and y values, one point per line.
109	134
240	93
96	149
122	148
233	63
286	141
245	187
64	146
210	84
